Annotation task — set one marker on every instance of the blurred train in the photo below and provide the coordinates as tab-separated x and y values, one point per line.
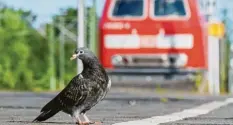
153	37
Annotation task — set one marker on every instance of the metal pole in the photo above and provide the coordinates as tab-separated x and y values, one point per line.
92	24
81	31
213	59
51	59
213	53
62	55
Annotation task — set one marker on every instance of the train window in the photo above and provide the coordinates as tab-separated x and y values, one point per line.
169	8
128	8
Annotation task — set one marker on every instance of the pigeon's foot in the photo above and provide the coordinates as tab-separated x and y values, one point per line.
97	123
85	123
89	123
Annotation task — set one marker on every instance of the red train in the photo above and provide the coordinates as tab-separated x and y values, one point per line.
152	37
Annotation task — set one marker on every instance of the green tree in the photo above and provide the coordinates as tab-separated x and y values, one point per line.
25	54
23	51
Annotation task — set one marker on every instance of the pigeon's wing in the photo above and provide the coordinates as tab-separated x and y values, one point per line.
75	92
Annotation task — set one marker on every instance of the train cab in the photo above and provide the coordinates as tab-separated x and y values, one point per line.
152	37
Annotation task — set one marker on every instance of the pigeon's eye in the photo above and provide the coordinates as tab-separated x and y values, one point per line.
81	51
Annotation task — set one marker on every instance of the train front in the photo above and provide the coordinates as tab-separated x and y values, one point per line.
152	37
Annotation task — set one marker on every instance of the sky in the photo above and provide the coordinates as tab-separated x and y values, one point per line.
44	9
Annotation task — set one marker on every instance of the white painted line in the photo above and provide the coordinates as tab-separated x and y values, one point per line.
187	113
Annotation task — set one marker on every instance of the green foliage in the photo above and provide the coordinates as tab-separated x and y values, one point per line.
25	56
69	17
23	62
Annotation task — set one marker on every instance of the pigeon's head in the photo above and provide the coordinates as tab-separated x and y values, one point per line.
83	54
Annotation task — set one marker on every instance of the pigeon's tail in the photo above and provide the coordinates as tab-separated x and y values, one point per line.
45	115
49	110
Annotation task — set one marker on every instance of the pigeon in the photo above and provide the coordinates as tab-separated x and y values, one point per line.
83	92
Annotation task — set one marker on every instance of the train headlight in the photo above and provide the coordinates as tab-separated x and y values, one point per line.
182	60
117	59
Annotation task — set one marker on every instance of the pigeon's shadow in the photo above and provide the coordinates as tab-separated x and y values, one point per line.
229	118
27	122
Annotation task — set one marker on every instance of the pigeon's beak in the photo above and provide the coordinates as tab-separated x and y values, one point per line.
74	56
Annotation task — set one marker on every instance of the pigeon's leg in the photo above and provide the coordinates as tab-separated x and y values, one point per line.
77	118
86	118
79	121
87	121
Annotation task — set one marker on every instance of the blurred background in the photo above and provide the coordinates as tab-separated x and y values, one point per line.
182	45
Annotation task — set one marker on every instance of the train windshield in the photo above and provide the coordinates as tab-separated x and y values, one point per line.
128	8
167	8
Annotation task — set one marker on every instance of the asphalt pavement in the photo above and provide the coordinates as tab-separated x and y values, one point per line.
121	106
